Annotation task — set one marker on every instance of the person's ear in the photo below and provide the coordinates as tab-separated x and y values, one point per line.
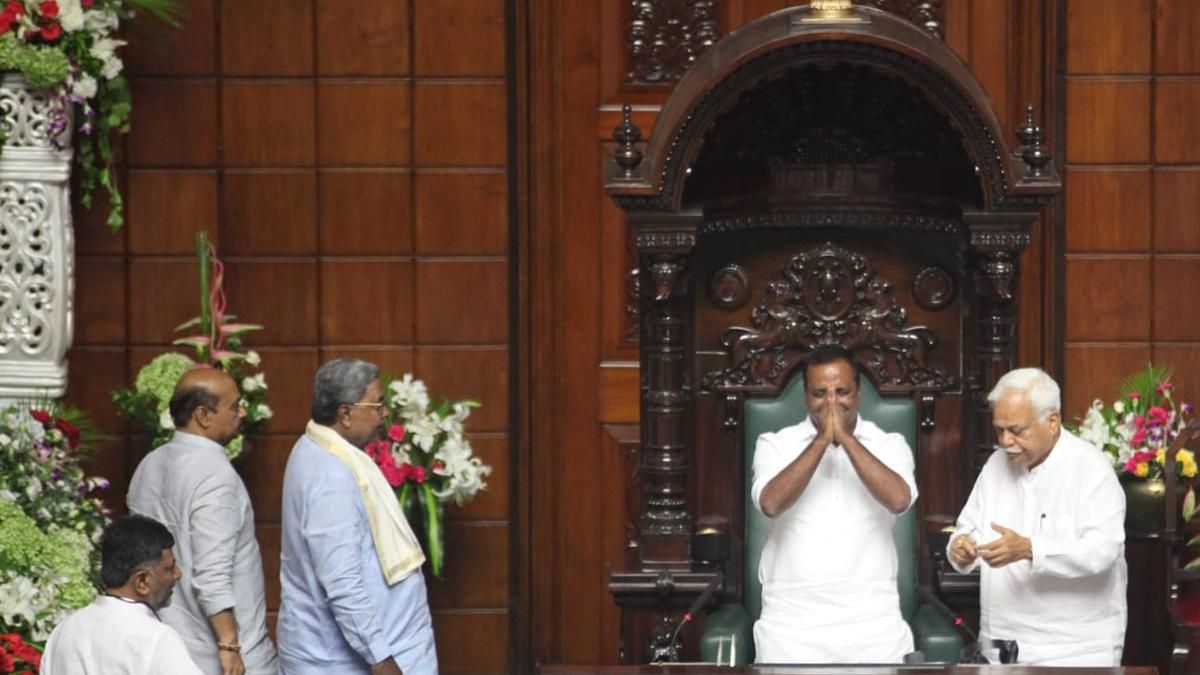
141	582
1054	420
202	416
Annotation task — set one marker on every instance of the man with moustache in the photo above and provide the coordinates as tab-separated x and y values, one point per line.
190	486
120	631
352	593
1045	525
832	486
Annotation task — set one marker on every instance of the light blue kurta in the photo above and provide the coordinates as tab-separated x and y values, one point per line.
189	485
337	613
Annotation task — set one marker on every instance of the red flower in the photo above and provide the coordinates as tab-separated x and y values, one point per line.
418	474
396	433
41	416
1158	414
7	662
69	430
394	476
1138	437
51	32
14	8
87	3
6	23
49	9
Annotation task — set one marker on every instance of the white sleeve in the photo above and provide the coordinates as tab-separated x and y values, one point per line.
170	655
895	454
969	520
769	460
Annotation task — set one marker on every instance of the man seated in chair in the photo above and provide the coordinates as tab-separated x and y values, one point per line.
833	486
1047	521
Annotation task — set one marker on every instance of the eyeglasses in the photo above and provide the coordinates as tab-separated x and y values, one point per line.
379	407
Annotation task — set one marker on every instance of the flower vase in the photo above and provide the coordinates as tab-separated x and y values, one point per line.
37	249
1144	507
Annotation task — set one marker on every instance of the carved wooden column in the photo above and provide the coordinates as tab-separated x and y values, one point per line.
666	519
996	242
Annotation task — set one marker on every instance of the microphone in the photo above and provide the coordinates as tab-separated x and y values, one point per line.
670	652
973	652
928	596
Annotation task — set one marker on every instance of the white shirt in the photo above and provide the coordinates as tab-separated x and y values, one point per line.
189	485
828	569
1067	605
115	637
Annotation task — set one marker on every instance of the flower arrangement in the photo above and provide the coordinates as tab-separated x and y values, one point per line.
49	524
15	653
1136	430
427	459
70	48
218	344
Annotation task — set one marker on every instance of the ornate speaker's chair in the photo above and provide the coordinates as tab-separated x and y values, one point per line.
816	177
728	629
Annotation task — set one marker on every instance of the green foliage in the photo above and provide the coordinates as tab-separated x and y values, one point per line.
40	65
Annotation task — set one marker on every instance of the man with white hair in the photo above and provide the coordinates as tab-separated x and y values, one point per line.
1045	524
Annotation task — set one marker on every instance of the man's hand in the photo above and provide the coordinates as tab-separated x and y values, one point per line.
962	550
387	667
231	662
826	430
1009	548
836	421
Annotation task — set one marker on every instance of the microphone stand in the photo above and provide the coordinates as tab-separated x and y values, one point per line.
668	652
973	652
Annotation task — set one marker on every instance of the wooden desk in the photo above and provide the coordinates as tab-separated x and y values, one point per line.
709	669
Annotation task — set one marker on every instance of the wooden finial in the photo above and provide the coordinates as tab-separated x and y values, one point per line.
627	134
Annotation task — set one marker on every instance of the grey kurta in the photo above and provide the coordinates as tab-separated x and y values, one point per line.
189	485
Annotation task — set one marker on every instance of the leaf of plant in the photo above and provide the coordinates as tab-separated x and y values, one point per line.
1195	540
194	321
1193	565
1189	505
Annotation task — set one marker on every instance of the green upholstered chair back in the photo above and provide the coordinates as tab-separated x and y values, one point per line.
762	415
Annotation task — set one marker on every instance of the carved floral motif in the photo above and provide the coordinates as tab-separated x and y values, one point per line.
664	37
828	296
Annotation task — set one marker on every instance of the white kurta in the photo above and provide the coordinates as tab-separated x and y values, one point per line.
1067	605
114	636
189	485
828	569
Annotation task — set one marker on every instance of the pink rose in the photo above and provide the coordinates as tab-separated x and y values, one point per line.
396	433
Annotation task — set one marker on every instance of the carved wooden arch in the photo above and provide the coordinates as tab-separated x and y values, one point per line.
652	180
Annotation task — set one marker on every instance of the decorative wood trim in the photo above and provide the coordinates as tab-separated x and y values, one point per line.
828	295
664	37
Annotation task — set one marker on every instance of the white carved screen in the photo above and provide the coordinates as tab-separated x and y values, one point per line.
37	255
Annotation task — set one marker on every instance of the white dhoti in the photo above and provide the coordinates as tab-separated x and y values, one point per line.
818	624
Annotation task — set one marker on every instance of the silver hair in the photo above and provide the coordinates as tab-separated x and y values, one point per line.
1043	391
339	382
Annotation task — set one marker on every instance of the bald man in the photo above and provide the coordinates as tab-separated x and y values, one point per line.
189	485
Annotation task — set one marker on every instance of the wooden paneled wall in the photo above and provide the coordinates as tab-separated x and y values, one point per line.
1133	194
350	161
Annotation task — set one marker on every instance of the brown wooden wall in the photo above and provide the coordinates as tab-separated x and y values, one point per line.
349	159
353	167
1133	193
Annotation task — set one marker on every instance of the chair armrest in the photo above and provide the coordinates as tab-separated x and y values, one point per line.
728	631
935	635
